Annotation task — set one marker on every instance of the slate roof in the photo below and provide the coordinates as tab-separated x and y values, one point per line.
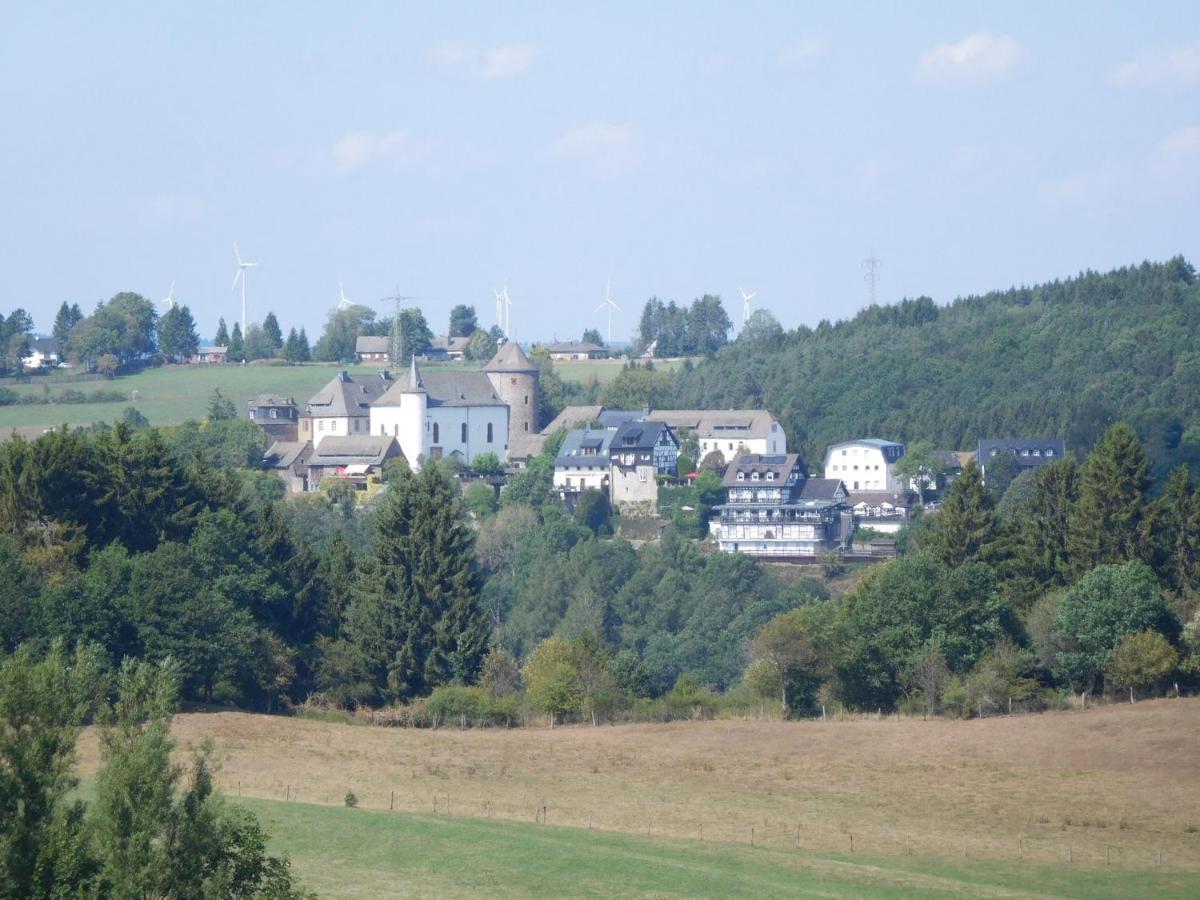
572	451
47	346
613	418
640	434
526	446
781	464
510	358
282	454
451	344
349	396
735	423
444	389
575	347
370	343
370	450
573	417
822	489
1027	453
272	400
878	498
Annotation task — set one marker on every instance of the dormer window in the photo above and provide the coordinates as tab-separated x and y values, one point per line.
1037	452
741	476
754	477
1049	452
770	476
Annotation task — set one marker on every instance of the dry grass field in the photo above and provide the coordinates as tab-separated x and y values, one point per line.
1115	785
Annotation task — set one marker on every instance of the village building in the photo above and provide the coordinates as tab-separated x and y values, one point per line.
727	432
289	461
883	511
866	464
278	416
449	348
573	350
43	353
210	356
355	459
582	463
343	407
639	452
1028	454
436	415
772	510
371	348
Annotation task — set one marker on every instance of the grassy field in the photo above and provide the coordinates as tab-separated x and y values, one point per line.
357	853
1107	789
173	394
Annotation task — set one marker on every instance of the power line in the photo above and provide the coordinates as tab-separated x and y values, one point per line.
871	267
397	325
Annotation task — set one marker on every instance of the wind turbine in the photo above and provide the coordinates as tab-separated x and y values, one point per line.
169	300
500	295
507	312
344	303
746	298
240	275
611	306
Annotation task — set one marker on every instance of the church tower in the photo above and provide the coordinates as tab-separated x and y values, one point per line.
515	379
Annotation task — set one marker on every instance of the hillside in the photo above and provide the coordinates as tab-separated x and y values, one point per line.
1059	359
1120	780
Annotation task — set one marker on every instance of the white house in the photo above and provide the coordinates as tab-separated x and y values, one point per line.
728	432
866	464
583	462
433	415
43	352
343	407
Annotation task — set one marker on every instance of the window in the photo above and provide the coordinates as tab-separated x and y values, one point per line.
526	424
754	477
843	453
382	429
395	430
463	433
252	414
513	380
731	445
435	433
741	476
641	474
489	433
320	424
526	399
358	424
770	476
274	414
1049	452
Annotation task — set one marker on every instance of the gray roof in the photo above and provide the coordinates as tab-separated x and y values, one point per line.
371	450
612	418
282	454
369	343
452	344
44	345
878	498
444	388
782	465
573	417
639	435
525	446
1027	453
822	489
272	400
735	423
510	358
349	396
597	440
575	347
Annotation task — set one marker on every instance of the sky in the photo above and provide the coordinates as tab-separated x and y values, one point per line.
676	149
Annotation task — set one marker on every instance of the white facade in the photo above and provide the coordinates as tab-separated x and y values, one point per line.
582	476
865	465
331	426
730	446
435	431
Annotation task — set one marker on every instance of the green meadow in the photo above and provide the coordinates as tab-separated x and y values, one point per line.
358	853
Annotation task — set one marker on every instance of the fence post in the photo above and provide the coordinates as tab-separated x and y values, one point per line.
852	842
391	799
964	848
751	835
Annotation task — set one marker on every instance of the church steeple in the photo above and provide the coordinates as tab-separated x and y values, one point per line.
414	379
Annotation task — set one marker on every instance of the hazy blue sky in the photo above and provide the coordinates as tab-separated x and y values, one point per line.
676	148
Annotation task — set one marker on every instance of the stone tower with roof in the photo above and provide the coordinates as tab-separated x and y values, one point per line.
515	379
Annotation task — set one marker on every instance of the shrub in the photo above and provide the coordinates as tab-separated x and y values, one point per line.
351	800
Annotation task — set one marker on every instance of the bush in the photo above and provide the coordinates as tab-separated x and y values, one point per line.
473	706
351	800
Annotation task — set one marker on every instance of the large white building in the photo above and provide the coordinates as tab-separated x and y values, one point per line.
435	415
867	464
343	407
728	432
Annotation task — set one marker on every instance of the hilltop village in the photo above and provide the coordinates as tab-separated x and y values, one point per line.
486	424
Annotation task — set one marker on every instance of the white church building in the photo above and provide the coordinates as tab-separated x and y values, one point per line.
435	415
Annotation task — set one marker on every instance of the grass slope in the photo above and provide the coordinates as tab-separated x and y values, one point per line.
173	394
355	853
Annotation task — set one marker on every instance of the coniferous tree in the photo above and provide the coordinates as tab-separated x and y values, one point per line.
1107	519
222	336
966	526
68	317
417	620
1171	534
303	353
271	332
237	347
1034	540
